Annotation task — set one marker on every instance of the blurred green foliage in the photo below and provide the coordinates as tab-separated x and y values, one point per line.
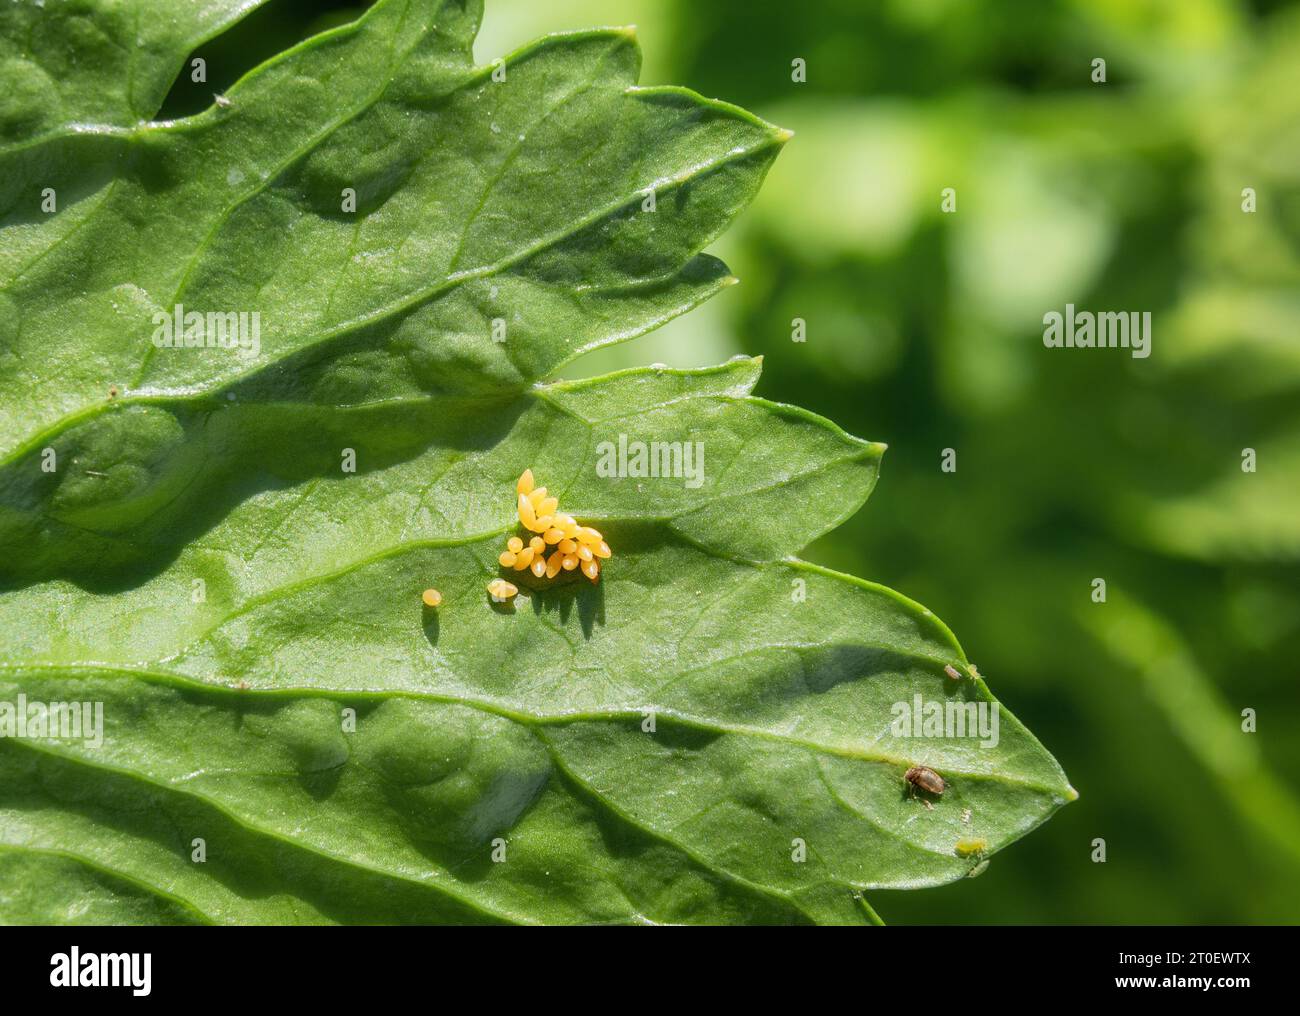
924	330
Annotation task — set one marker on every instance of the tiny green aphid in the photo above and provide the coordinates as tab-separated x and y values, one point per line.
971	847
927	780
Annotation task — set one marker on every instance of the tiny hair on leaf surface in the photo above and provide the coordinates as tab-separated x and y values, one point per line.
280	567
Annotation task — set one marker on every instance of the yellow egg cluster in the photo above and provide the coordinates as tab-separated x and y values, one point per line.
560	544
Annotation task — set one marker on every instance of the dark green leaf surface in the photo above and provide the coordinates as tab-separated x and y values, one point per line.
647	749
86	65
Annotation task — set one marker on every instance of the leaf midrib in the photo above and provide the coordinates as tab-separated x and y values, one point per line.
153	673
786	896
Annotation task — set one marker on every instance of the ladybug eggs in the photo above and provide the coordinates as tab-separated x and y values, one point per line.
500	590
560	543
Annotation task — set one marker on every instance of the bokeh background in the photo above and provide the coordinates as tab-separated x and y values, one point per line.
924	330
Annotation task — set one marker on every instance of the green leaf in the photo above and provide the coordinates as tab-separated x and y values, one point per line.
706	735
80	65
468	211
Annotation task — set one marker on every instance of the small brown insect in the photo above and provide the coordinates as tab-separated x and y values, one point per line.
112	391
927	780
952	671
